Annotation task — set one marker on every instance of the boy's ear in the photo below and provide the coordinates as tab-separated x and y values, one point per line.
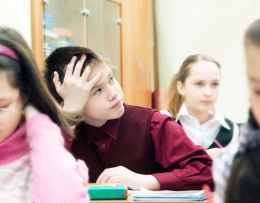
180	88
62	103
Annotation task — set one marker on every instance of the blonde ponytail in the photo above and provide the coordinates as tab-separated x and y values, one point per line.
174	99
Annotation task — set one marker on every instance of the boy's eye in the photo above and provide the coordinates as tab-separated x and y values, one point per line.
111	79
215	84
98	91
199	84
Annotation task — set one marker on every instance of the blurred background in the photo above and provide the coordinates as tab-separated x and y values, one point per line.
144	41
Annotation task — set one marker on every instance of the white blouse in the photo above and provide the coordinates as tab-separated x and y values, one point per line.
205	134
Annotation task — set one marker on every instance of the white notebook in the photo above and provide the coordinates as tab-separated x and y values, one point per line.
168	195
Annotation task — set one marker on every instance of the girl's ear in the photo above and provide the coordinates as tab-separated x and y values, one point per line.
180	88
62	104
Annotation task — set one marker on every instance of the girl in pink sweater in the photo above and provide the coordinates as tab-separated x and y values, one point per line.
34	165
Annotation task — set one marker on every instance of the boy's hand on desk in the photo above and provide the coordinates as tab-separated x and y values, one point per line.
133	180
75	89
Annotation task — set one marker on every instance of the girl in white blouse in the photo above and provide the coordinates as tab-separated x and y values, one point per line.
191	101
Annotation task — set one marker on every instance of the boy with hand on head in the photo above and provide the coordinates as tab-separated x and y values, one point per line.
119	142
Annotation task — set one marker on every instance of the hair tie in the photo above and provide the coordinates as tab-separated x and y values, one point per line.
6	51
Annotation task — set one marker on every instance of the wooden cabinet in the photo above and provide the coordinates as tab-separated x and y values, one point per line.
137	51
126	42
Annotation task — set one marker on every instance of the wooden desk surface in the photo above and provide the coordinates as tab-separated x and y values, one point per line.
130	199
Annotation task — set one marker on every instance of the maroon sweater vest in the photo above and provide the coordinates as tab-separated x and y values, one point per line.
132	149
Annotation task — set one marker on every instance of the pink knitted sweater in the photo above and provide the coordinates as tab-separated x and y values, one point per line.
35	167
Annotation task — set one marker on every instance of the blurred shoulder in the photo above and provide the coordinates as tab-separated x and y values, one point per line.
166	112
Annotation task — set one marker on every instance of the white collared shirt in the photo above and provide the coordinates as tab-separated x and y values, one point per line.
205	134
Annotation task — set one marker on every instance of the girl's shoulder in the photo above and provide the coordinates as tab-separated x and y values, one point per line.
229	122
232	125
165	112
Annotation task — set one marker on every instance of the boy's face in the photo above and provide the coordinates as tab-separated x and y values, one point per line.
253	72
105	100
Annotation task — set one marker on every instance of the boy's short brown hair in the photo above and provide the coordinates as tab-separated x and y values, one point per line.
60	58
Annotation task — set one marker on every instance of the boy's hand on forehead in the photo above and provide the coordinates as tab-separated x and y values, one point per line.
75	89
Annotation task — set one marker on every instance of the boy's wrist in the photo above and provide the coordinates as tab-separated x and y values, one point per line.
71	111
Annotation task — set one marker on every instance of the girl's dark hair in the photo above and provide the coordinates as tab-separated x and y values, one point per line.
244	182
174	99
252	121
253	32
252	35
25	76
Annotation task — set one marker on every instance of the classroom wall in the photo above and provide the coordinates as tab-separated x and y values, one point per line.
17	14
185	27
215	28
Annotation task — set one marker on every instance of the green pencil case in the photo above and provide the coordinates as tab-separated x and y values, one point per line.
107	191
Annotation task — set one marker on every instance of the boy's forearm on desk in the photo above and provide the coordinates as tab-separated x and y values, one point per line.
150	182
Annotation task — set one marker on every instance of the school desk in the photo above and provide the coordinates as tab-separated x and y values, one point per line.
130	200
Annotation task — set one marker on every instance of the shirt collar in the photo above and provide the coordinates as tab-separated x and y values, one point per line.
214	111
220	118
111	128
183	111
